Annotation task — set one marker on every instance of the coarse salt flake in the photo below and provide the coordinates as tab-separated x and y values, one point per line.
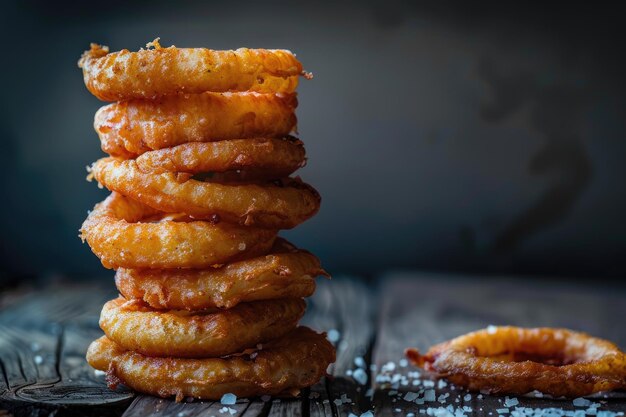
360	376
228	399
410	396
429	395
333	335
581	402
359	361
510	402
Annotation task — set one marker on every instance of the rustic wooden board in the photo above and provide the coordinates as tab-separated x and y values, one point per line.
43	339
341	304
44	335
421	310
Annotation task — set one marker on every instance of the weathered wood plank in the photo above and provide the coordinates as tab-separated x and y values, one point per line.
346	306
43	341
421	310
336	305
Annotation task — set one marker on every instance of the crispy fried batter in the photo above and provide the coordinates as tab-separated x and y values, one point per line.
513	360
297	360
267	205
183	334
150	73
260	158
121	232
284	272
130	128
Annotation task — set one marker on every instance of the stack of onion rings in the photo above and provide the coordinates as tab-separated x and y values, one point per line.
298	359
201	155
130	128
514	360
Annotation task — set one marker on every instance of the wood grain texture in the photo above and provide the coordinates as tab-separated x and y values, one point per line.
340	304
43	341
44	335
423	309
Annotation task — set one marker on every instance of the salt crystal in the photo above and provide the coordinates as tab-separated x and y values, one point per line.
403	363
397	410
338	402
581	402
369	393
388	367
428	383
345	399
367	414
360	376
442	398
333	335
349	372
410	415
467	397
38	359
503	410
491	329
511	402
429	395
228	399
441	384
392	393
359	361
352	415
410	396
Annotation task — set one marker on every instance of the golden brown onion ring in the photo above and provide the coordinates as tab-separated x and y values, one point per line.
151	73
294	361
130	128
514	360
183	334
269	205
118	234
263	158
284	272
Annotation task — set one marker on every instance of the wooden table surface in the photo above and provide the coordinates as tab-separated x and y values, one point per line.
44	333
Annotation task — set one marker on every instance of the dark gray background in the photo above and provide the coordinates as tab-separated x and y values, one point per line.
446	137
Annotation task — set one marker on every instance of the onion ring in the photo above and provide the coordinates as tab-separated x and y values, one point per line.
183	334
263	158
130	128
161	71
513	360
268	205
284	272
294	361
119	235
